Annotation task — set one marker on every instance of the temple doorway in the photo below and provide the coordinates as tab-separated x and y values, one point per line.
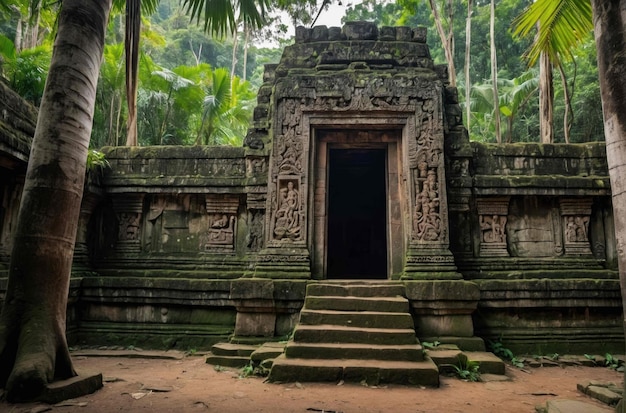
357	214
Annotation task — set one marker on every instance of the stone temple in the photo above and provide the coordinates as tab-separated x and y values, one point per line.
358	212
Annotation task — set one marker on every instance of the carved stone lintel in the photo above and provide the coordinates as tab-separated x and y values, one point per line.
492	217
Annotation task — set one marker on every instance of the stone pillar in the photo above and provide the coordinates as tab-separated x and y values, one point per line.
428	254
492	217
576	215
128	210
443	311
256	310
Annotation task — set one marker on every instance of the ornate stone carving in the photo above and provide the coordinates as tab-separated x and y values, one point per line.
427	223
576	215
129	224
492	217
425	161
128	210
220	234
255	165
287	223
255	230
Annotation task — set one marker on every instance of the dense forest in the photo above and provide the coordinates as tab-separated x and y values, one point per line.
195	88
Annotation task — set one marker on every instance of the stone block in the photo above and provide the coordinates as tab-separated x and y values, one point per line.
319	34
420	34
489	362
444	325
573	406
603	394
360	30
255	324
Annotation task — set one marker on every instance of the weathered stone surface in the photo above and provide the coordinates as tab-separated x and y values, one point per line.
360	31
521	233
489	363
573	406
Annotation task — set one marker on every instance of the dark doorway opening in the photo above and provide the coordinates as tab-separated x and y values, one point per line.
357	214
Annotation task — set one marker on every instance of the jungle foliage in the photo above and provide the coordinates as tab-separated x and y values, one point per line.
184	72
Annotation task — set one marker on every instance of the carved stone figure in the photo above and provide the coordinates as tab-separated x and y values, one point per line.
492	228
426	219
255	230
287	216
221	232
128	226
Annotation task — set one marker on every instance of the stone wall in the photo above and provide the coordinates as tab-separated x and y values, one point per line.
186	246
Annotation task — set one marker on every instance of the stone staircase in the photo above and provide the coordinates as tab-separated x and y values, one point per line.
356	331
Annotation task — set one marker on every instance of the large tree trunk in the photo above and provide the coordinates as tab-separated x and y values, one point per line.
33	348
609	17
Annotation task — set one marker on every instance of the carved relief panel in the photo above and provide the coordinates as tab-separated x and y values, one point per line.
128	210
425	145
575	216
492	216
287	219
221	229
191	222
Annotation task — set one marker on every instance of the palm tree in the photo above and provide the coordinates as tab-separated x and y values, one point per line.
33	347
226	111
561	24
220	17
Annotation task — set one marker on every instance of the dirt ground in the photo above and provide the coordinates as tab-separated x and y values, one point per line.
191	385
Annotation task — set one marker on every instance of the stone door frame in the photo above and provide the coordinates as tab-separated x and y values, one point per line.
392	135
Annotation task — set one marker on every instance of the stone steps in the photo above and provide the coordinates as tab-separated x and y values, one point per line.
355	350
355	331
328	333
230	355
353	303
372	372
371	319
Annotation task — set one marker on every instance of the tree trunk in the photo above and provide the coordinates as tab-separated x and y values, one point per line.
609	17
468	83
246	46
546	99
494	73
567	123
446	40
131	45
33	347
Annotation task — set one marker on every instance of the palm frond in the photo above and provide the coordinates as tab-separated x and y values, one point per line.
561	25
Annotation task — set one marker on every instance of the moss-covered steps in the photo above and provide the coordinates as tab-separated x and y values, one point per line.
355	331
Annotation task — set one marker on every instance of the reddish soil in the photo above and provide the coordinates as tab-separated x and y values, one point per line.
191	385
